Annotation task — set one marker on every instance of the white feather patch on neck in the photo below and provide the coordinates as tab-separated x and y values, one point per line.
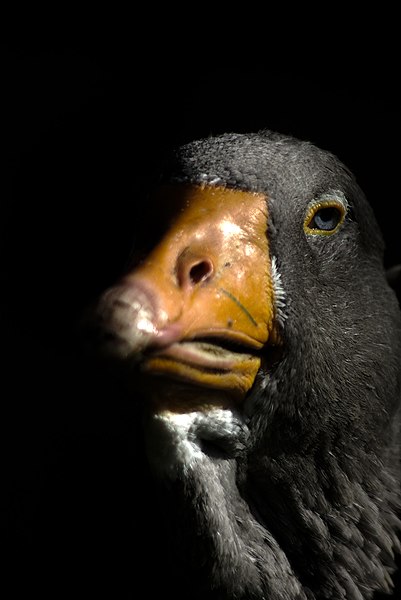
174	440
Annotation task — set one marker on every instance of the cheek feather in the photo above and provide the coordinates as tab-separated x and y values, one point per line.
278	294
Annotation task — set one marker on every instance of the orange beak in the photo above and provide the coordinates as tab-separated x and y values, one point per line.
199	308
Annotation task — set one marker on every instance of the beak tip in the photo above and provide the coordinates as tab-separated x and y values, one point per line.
168	335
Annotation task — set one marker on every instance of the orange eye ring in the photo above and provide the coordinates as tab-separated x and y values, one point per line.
324	217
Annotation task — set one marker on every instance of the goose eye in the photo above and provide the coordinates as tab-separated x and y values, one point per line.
324	217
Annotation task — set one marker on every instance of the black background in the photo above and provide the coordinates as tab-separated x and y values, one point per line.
82	125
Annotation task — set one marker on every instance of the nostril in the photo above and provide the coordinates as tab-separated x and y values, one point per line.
193	269
200	271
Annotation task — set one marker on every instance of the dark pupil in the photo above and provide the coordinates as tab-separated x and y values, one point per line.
326	218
